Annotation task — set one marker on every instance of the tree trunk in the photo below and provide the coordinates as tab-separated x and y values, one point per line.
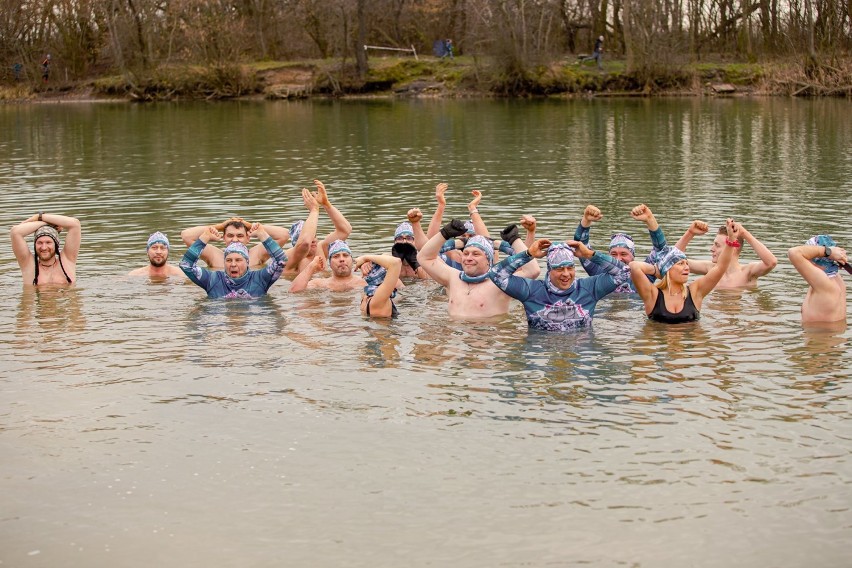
360	52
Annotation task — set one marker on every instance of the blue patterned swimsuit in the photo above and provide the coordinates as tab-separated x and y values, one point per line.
252	284
658	240
550	308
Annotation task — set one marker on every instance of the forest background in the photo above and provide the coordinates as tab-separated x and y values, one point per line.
167	49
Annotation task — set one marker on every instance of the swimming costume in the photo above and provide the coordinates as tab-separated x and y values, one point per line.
394	311
661	314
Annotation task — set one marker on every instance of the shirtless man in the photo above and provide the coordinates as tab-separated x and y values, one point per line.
342	278
46	265
471	294
305	232
158	259
235	229
738	275
818	261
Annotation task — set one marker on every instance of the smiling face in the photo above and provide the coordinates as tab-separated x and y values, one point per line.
563	276
158	254
474	261
621	253
340	264
45	249
235	265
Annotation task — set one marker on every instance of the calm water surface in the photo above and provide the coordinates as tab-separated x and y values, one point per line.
142	423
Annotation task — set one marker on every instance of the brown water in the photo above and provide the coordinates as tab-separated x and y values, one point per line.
142	423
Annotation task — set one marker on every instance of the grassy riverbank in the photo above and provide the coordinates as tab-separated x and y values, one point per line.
431	77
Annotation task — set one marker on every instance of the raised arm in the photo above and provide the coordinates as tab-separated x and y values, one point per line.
392	265
309	231
273	270
767	261
531	270
704	285
695	228
615	271
437	219
503	276
644	214
802	256
414	217
528	222
429	255
18	235
472	208
591	215
189	263
342	227
639	273
303	280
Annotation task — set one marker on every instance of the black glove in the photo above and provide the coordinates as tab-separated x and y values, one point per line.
510	234
406	252
453	229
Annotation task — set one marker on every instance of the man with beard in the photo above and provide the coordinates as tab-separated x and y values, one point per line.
471	294
235	229
340	263
158	259
46	265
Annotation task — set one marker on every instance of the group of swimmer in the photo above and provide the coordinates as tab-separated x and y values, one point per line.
462	257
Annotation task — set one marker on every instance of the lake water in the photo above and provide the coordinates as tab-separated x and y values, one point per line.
143	424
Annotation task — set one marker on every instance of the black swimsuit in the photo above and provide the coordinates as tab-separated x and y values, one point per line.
394	311
661	314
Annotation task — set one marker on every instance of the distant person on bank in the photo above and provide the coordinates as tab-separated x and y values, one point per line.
236	280
46	264
818	261
597	54
158	259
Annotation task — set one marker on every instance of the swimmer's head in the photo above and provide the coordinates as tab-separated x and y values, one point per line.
829	266
477	255
374	275
158	249
340	258
235	231
404	233
560	266
46	242
719	243
236	260
621	247
672	262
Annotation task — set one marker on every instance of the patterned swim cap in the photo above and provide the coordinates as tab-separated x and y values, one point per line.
469	226
623	240
404	229
667	258
829	266
483	244
338	246
158	237
238	248
559	255
295	231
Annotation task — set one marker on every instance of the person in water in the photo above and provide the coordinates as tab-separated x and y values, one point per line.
560	302
621	245
46	264
673	299
406	245
158	259
236	280
817	261
234	229
304	232
470	292
342	278
380	272
738	275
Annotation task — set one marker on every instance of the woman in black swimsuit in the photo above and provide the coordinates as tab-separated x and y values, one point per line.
671	299
381	271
